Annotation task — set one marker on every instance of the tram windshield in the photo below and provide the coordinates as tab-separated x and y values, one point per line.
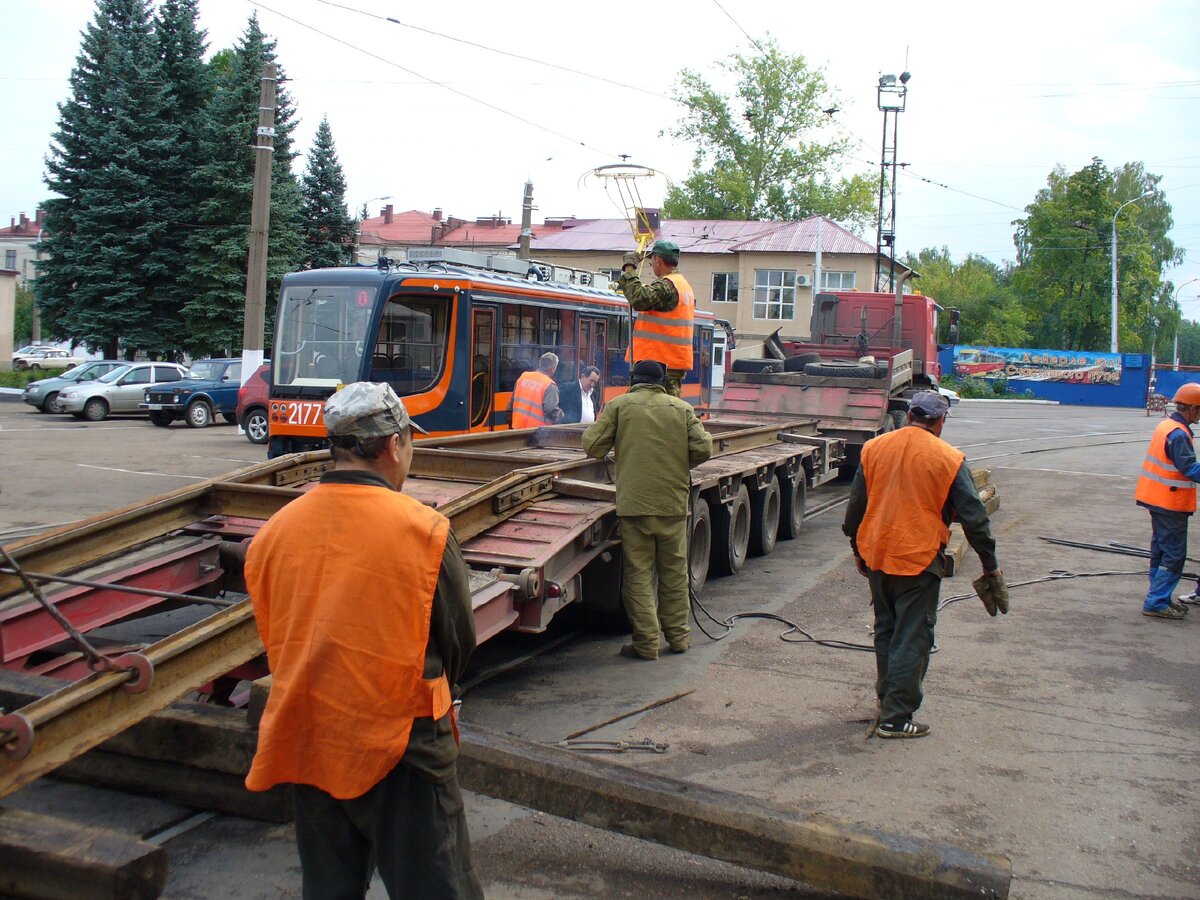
320	334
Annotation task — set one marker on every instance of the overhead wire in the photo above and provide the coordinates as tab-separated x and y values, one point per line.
434	81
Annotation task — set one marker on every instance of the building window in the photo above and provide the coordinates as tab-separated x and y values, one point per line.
725	287
10	259
774	294
837	281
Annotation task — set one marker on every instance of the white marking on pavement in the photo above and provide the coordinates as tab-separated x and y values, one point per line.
1063	471
66	428
248	462
132	472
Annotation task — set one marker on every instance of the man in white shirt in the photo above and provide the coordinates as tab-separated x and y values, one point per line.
577	399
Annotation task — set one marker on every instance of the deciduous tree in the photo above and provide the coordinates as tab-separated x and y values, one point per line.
760	152
990	312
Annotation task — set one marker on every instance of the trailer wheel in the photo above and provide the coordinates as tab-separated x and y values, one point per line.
834	369
800	360
731	534
700	544
792	496
899	418
758	366
764	519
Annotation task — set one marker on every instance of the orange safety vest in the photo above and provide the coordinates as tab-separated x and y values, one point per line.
342	582
667	336
909	473
1161	484
527	409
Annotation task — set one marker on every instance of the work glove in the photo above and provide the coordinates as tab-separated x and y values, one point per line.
632	258
993	591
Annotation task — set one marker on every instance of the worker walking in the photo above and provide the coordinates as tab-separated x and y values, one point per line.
535	397
666	312
658	440
908	486
1167	489
362	600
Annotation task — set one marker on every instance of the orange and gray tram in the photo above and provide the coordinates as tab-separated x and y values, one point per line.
451	339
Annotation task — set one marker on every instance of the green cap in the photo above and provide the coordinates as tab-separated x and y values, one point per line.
666	249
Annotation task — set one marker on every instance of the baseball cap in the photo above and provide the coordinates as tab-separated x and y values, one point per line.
367	409
665	249
930	404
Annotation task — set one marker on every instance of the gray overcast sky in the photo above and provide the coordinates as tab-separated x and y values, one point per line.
999	95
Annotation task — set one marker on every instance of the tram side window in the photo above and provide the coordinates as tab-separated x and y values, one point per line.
410	347
618	345
558	337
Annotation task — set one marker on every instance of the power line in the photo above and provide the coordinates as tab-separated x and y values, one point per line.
508	53
433	81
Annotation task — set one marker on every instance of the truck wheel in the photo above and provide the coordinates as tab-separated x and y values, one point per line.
834	369
731	534
95	410
162	419
899	418
700	545
759	366
792	495
199	414
800	360
764	519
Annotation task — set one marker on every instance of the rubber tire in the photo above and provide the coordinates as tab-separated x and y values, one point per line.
198	414
231	418
851	370
254	422
95	410
758	366
800	360
899	418
731	535
765	515
792	497
162	419
700	545
50	404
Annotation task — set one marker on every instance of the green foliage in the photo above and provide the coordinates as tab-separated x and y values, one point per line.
990	312
758	152
23	317
107	253
220	247
20	379
971	388
1063	273
1189	343
328	229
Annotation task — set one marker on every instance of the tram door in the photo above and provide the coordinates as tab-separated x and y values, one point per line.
593	348
483	367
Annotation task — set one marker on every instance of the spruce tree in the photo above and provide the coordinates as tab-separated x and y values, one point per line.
220	246
104	263
328	228
181	46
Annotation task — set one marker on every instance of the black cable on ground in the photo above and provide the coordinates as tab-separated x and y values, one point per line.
793	628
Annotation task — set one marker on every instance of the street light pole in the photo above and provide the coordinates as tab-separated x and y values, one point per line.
358	230
1114	265
1175	354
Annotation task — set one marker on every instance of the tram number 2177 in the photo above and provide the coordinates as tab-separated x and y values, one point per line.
297	412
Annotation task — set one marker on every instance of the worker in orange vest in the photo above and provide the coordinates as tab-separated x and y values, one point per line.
1167	488
535	397
909	485
362	599
666	313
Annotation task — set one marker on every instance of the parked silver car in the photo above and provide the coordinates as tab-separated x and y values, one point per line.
119	391
44	393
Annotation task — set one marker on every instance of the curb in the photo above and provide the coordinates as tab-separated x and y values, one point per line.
1016	402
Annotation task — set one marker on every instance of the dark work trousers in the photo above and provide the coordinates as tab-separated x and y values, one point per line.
905	616
414	830
1168	550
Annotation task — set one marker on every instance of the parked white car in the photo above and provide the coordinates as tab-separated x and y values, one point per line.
45	358
120	391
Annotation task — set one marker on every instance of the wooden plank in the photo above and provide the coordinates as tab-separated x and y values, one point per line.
42	856
822	852
992	505
981	475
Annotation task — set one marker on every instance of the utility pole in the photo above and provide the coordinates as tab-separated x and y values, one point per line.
260	223
526	222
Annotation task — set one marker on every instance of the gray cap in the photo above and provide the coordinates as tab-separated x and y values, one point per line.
929	404
367	409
